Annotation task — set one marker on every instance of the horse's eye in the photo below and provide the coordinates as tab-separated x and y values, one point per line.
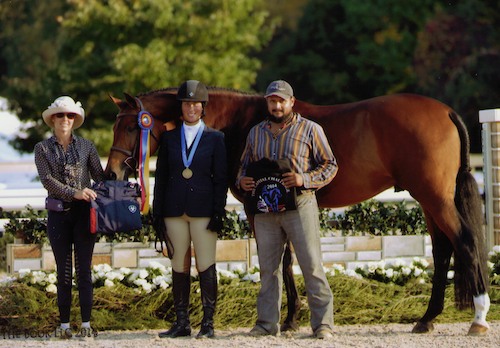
131	129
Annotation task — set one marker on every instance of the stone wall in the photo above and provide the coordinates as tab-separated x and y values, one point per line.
233	254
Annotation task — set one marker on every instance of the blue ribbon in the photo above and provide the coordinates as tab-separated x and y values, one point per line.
185	159
145	121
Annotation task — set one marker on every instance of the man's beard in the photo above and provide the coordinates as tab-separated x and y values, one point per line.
283	119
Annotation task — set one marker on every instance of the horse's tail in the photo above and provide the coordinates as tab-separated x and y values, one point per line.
470	254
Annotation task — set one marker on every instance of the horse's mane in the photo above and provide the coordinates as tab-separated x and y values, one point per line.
214	89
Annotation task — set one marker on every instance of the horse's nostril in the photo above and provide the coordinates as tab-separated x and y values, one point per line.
112	176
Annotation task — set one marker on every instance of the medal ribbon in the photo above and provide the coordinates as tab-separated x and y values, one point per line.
185	159
145	121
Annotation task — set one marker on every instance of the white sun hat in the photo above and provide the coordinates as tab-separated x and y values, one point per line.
64	104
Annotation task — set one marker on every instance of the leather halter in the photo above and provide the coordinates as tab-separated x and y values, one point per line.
131	161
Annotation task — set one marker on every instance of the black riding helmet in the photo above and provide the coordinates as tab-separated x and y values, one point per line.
193	90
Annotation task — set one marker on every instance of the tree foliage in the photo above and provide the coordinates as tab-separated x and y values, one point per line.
92	48
332	51
457	60
348	50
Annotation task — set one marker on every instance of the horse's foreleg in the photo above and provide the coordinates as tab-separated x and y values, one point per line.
293	302
441	250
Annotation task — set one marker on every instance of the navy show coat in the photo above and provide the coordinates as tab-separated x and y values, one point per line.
205	193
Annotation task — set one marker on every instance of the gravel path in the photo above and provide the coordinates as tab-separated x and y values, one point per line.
373	336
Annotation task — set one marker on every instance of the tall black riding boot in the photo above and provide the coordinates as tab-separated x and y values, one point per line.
208	285
181	283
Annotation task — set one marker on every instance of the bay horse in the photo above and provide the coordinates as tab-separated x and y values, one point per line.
406	141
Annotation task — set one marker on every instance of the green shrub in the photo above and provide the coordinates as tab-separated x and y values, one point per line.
29	225
235	227
370	217
376	218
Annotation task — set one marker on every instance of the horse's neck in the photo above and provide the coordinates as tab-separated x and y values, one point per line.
235	112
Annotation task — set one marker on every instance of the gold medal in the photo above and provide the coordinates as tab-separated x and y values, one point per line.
187	173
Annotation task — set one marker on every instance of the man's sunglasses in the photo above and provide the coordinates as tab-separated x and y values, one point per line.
70	116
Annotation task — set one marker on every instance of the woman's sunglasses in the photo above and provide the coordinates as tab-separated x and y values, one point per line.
70	116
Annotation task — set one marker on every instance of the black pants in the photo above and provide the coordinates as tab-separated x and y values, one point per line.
67	229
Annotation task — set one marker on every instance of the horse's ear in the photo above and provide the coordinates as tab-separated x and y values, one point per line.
130	100
115	100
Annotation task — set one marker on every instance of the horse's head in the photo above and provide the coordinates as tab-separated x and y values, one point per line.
124	153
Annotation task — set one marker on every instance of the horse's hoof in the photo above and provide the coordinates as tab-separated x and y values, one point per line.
289	326
477	330
423	327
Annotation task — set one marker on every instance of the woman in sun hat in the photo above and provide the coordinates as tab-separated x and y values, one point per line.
66	163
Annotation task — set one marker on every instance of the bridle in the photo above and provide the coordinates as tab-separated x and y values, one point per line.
131	161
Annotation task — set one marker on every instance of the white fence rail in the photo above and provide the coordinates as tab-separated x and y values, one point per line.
19	186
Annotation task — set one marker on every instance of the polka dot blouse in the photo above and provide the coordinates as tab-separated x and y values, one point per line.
61	172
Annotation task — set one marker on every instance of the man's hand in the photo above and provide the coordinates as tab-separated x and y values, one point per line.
247	183
292	179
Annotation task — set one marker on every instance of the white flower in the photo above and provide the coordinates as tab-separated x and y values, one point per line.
353	274
336	268
389	272
143	274
157	265
140	281
114	275
103	267
109	283
147	287
23	272
125	270
38	277
406	271
133	275
51	288
451	275
238	268
417	272
496	249
227	274
373	266
158	280
163	285
399	263
253	277
52	278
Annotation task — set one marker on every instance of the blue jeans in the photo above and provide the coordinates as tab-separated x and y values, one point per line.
301	227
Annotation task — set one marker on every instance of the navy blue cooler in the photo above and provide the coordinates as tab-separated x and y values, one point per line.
116	208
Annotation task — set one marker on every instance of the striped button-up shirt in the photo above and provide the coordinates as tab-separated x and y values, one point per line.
61	172
302	141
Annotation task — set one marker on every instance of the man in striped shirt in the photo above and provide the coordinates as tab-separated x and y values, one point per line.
287	135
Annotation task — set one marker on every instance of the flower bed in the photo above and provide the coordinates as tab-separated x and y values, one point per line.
156	276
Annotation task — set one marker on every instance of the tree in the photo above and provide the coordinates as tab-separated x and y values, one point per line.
457	60
101	47
347	50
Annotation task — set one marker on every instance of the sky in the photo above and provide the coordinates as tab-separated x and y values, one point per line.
9	126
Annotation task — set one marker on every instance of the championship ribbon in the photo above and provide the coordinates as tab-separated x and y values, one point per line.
145	121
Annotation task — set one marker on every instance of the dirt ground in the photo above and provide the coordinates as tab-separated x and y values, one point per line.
373	336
